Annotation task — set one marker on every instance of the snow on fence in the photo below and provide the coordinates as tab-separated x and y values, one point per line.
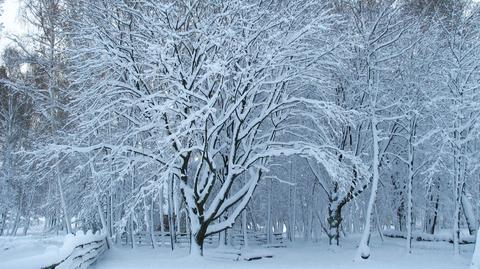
464	239
78	251
143	238
183	239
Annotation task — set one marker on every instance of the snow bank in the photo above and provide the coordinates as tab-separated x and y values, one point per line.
55	255
447	237
17	247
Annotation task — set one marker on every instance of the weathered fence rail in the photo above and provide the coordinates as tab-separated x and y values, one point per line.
77	252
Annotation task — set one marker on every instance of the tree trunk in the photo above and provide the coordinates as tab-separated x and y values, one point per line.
334	222
196	245
363	250
290	232
456	212
13	232
244	228
475	264
409	194
432	216
104	223
469	214
456	228
66	217
110	214
377	220
197	235
160	210
294	223
132	232
27	224
222	236
4	222
148	224
171	218
269	214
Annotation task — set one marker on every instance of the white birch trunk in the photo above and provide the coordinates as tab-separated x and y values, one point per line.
469	214
110	214
64	204
269	214
409	193
456	228
475	264
148	226
456	212
363	251
132	230
171	218
244	228
160	210
104	222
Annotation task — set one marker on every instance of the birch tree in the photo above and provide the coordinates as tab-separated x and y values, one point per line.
379	30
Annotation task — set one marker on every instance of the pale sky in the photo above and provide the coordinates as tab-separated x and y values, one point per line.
12	23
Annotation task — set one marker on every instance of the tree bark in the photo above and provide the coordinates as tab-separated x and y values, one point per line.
409	187
171	218
469	214
66	217
160	210
334	220
431	223
244	228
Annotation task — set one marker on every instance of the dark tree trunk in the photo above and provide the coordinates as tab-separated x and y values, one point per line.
432	219
197	238
4	221
334	223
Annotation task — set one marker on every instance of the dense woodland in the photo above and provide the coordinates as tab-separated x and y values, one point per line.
317	119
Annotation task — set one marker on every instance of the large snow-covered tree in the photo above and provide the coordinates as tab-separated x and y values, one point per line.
202	94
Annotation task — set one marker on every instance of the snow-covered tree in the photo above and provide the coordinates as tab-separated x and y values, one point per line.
202	94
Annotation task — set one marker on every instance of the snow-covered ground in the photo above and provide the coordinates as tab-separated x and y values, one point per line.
17	247
389	255
36	242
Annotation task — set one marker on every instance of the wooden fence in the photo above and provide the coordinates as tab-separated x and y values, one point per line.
83	254
183	239
77	252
